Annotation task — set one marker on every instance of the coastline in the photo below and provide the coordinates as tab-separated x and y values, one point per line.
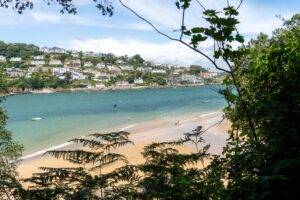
143	133
97	89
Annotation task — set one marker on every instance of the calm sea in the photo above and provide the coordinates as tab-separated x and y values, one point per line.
73	114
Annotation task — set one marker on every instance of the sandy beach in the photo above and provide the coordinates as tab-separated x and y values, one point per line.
144	133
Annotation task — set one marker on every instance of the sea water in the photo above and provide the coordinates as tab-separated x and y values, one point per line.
74	114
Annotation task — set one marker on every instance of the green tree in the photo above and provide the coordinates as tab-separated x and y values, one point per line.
136	60
270	86
10	152
68	77
197	69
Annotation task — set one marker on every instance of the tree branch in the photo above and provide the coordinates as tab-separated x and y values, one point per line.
172	38
201	5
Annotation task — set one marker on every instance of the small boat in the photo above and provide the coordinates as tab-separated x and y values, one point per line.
36	118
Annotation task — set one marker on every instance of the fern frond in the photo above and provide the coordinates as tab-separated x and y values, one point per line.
109	159
93	144
76	156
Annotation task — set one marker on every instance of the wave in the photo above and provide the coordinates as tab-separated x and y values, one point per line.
41	152
211	113
45	150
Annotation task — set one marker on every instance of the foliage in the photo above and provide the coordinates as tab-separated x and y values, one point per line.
260	160
136	60
67	6
10	152
25	51
170	174
87	181
166	174
269	160
197	69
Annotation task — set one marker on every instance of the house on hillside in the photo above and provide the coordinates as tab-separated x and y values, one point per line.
44	49
88	53
144	69
178	71
159	71
90	71
2	59
60	71
55	62
190	79
75	63
126	68
101	66
102	77
174	80
75	55
14	72
114	70
40	57
138	81
15	59
208	74
88	64
34	69
37	62
77	75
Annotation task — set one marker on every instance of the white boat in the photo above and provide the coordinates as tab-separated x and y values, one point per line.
36	118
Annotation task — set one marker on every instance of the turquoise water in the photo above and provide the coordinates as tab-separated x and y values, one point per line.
69	115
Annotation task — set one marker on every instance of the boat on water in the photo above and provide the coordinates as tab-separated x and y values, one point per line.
36	118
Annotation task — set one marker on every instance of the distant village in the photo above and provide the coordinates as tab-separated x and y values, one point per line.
73	69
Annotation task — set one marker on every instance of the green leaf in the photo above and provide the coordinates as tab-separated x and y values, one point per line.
197	30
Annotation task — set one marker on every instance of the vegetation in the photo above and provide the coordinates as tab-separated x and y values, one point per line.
24	51
10	152
260	160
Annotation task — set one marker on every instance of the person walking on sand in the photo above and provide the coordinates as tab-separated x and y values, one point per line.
177	124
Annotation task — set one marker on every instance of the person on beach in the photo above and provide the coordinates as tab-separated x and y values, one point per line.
177	124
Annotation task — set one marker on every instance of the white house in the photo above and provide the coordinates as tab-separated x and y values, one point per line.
178	71
88	64
90	71
144	69
55	62
159	71
15	59
75	55
138	81
77	75
40	57
120	62
100	66
14	72
88	53
37	62
59	71
34	69
2	59
44	50
191	79
126	68
102	77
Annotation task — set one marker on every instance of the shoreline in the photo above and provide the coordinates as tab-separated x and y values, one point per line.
187	117
99	89
142	133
